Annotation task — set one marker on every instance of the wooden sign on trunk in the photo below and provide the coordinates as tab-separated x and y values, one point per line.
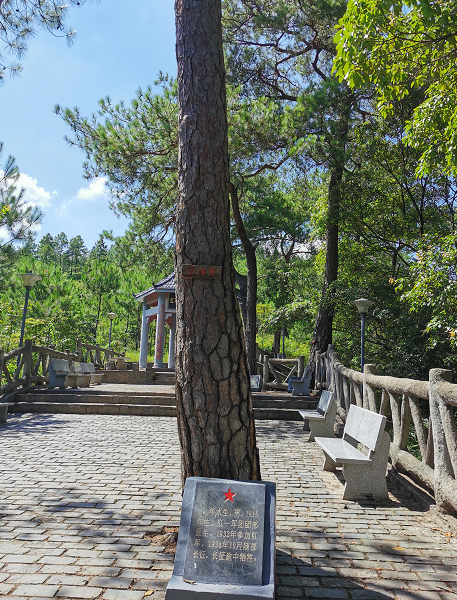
201	271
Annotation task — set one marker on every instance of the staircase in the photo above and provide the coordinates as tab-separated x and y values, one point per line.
154	376
145	401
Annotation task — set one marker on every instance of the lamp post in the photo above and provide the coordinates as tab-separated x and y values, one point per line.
29	280
111	316
362	305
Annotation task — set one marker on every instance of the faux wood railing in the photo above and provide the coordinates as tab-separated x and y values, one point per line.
25	366
424	408
95	354
280	368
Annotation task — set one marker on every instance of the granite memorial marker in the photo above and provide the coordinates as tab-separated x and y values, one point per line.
226	542
255	383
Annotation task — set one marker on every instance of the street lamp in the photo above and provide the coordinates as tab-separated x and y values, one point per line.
362	305
29	280
111	317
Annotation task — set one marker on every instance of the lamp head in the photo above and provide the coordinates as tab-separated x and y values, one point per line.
111	315
362	305
29	279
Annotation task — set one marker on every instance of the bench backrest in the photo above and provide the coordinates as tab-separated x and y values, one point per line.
87	368
76	367
307	374
364	426
59	365
324	402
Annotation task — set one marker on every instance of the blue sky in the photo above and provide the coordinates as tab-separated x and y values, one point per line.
120	46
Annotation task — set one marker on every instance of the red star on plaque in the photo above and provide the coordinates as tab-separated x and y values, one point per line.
229	495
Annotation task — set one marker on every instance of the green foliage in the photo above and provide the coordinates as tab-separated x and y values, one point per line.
398	47
20	21
433	285
17	219
70	302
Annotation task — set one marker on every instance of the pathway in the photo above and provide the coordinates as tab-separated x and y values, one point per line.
84	500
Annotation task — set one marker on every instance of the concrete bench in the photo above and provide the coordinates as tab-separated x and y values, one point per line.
321	420
89	369
302	386
362	452
4	410
60	374
83	379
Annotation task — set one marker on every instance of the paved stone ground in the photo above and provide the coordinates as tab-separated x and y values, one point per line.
85	497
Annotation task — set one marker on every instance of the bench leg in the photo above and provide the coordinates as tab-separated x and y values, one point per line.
329	464
368	479
3	411
323	428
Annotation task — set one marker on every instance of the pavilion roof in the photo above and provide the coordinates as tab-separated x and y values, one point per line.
167	284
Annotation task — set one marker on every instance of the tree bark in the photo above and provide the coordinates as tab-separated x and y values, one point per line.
322	335
213	397
250	326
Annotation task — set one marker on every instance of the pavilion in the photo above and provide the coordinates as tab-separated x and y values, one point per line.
159	303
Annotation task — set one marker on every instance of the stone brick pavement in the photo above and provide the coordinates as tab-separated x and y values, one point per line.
84	500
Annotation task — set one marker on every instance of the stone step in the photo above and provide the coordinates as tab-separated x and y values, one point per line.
165	379
133	409
129	377
90	408
149	400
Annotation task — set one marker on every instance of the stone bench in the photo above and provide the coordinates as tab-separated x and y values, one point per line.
321	420
362	452
89	369
60	374
83	379
302	385
4	410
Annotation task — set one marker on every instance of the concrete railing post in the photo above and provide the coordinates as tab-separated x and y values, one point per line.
369	402
266	372
301	366
79	350
445	471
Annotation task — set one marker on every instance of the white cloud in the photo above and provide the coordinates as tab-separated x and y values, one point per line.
96	189
34	194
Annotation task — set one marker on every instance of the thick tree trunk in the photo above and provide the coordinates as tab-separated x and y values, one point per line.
322	335
215	416
276	349
250	325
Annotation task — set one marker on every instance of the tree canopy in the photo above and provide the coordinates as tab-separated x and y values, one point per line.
394	47
19	22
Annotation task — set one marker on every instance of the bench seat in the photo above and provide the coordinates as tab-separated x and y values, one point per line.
311	414
60	374
365	474
322	420
341	451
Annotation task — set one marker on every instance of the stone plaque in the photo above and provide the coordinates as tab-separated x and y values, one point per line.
255	383
226	535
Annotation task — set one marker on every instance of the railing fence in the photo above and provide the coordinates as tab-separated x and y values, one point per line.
418	410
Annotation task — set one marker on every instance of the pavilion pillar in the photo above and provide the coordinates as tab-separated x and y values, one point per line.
144	338
171	344
160	330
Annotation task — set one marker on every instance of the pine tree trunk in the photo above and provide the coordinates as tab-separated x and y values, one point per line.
322	335
250	328
215	416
